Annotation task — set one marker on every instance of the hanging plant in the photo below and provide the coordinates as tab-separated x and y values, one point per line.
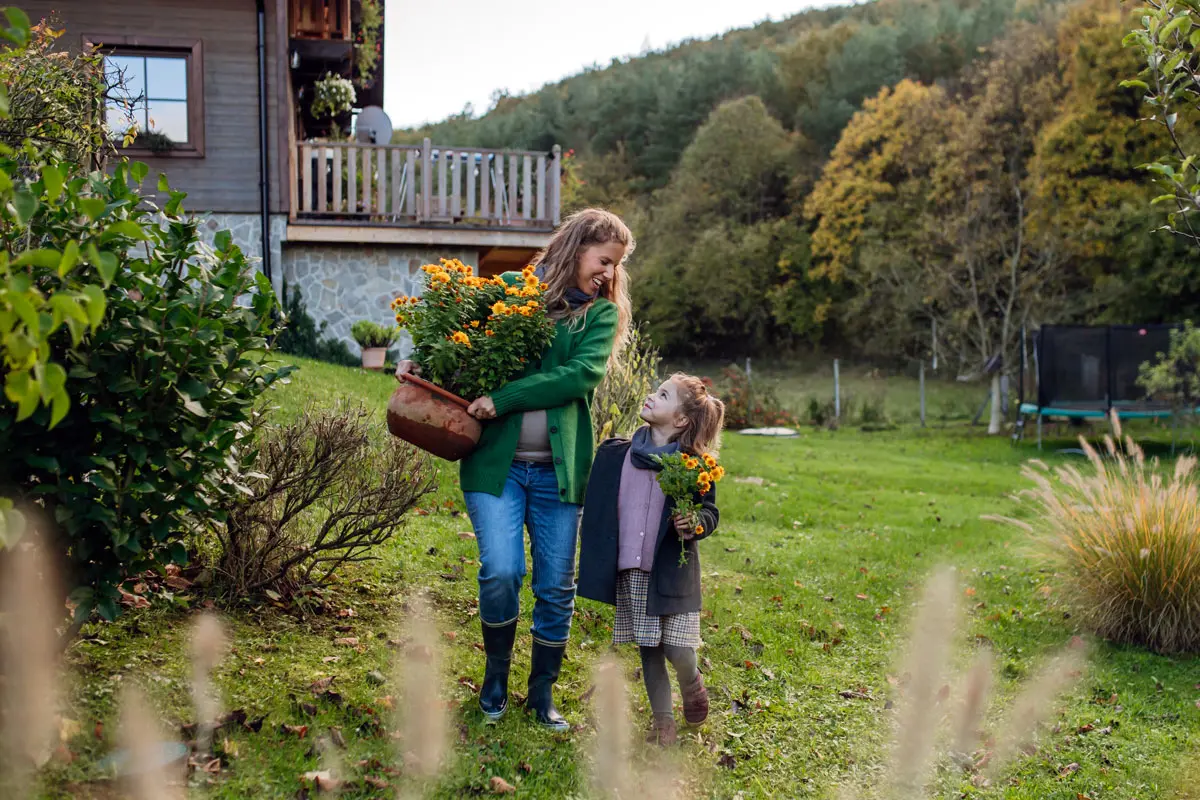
367	47
332	95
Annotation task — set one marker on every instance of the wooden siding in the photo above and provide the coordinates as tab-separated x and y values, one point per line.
226	179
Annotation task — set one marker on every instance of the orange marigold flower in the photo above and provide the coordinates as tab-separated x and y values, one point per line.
705	488
490	332
709	461
499	308
699	530
460	338
528	270
703	478
531	280
533	304
512	292
474	323
442	277
718	472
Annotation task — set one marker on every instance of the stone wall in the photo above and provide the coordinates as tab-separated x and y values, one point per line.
343	283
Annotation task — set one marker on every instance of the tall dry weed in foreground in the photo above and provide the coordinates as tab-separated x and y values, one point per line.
932	722
141	736
424	723
209	645
1126	541
925	667
615	775
29	662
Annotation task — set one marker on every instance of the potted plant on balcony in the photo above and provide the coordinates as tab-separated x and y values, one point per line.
470	336
374	339
333	99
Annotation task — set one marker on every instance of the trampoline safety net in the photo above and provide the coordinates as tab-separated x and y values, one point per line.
1096	368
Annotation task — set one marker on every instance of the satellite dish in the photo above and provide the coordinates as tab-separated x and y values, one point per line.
372	126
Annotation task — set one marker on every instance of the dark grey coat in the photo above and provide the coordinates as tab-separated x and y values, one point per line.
674	589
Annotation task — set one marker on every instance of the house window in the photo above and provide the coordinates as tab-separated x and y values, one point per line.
155	89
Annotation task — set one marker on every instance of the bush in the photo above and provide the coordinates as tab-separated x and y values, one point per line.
371	334
1124	540
53	97
321	496
617	404
1175	377
161	392
750	404
302	337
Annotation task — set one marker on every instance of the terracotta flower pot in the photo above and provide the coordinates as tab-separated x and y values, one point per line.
433	419
374	357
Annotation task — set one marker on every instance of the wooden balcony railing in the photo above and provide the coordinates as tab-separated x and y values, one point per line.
426	186
320	19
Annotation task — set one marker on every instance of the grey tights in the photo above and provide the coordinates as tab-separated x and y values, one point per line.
654	671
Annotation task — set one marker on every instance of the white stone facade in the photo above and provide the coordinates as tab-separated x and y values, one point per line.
343	283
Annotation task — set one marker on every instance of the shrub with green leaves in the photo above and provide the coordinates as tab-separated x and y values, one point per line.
161	390
1175	376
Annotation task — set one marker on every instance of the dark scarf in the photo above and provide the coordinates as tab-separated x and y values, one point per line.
575	297
642	450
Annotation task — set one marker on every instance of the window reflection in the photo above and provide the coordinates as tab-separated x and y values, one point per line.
149	93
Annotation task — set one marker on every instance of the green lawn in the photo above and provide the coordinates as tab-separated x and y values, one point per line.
808	584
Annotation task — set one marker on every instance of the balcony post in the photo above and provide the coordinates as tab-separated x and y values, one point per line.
426	179
556	184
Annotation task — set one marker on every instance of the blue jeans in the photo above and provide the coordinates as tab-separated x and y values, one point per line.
530	498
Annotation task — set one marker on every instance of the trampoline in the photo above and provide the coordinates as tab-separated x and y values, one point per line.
1090	372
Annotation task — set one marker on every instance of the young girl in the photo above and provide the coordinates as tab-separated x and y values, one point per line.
631	540
531	466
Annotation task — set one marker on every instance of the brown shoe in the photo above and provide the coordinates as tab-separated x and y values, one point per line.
663	732
695	701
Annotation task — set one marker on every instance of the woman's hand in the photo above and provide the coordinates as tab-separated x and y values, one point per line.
685	525
483	408
407	368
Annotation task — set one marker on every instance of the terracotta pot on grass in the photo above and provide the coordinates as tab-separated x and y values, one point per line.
374	357
433	419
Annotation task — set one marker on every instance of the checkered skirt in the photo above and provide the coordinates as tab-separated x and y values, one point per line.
633	624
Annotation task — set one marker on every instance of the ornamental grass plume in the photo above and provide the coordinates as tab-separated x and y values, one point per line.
29	663
140	736
209	645
1123	535
424	723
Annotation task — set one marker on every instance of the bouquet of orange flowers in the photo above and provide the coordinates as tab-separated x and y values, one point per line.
683	476
471	335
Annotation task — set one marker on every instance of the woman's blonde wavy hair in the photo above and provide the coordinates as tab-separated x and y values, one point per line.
559	262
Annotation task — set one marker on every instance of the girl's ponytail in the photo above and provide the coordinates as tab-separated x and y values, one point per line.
704	412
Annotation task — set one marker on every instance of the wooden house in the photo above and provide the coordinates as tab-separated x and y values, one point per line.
221	90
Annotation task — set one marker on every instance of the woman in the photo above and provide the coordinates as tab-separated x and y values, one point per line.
531	467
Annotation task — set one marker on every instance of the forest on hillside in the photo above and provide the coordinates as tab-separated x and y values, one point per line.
847	177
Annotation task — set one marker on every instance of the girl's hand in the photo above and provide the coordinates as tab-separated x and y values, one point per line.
483	408
407	368
685	526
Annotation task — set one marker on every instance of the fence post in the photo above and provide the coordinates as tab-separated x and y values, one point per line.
837	392
747	366
922	382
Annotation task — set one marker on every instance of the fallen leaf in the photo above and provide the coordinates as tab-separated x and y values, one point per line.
309	709
178	583
861	596
1069	769
466	535
300	731
348	641
526	767
376	782
258	662
335	734
828	598
501	786
322	685
470	684
1088	728
451	635
854	694
331	659
727	761
347	612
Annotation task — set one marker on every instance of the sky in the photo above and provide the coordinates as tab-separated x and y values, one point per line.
442	54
